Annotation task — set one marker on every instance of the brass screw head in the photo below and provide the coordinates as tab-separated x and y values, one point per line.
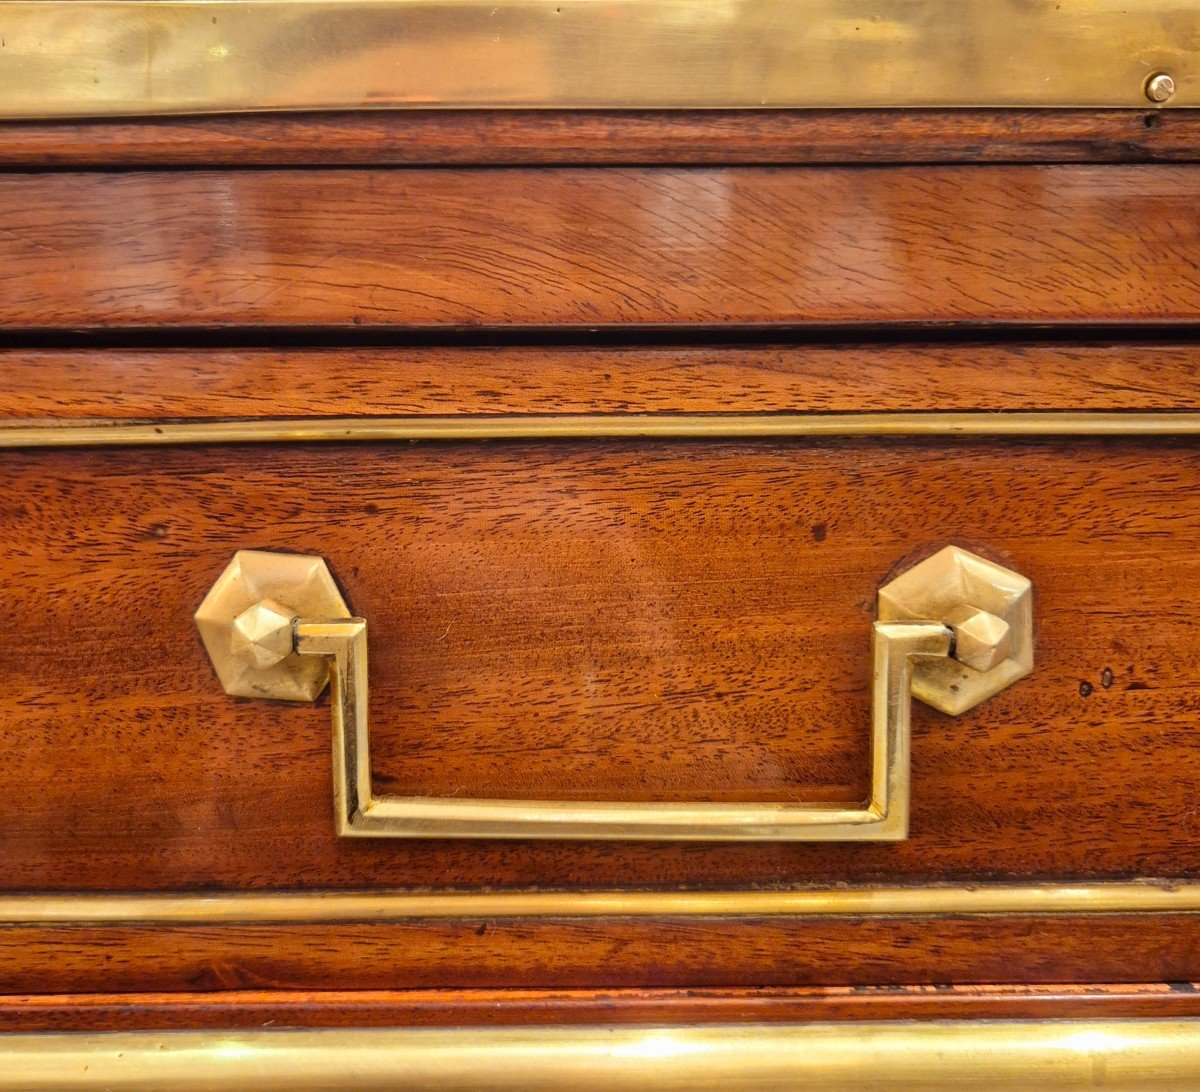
262	634
981	640
1160	87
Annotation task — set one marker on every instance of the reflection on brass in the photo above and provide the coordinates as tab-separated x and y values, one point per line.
263	598
855	1056
74	58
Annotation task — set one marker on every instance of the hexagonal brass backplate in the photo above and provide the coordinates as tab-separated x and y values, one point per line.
298	582
936	590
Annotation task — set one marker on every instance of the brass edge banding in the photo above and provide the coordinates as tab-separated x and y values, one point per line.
820	1057
385	906
95	58
112	433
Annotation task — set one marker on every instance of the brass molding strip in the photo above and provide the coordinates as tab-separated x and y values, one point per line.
111	433
90	58
286	908
819	1057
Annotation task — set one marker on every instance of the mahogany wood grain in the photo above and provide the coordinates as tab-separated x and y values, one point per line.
602	954
529	1007
474	137
587	248
620	620
255	383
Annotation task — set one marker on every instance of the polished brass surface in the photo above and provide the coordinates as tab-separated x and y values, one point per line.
243	638
112	433
990	610
849	1057
75	58
246	624
299	907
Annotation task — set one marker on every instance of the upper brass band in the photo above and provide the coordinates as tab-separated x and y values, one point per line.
89	58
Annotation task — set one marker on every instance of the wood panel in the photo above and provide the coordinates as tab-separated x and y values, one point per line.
629	137
620	620
493	1008
589	248
256	383
602	954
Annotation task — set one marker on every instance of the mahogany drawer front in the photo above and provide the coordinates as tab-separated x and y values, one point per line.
596	247
604	619
79	386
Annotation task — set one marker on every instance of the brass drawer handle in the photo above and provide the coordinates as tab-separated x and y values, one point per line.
952	631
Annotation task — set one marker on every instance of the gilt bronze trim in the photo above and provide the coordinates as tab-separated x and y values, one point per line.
820	1057
311	907
117	433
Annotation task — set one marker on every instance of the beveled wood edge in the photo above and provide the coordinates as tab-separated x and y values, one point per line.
295	907
930	1055
110	433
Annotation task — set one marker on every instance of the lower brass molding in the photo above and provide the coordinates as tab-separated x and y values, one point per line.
316	907
819	1057
92	432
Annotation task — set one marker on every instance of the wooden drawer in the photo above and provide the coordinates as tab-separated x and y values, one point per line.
607	618
596	619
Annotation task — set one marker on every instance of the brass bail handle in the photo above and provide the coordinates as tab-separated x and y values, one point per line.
952	631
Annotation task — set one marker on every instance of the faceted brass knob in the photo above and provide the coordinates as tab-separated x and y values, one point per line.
981	640
262	634
246	623
988	608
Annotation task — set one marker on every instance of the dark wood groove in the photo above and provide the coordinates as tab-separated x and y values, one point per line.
532	1007
607	138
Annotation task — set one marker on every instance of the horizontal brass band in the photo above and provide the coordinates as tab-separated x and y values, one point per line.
935	1055
75	58
1145	896
109	433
